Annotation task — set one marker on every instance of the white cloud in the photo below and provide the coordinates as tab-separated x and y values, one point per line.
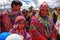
3	1
34	3
51	3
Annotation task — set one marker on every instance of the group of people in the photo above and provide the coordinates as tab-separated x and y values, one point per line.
31	25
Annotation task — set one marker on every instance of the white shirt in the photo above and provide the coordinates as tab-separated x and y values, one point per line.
57	26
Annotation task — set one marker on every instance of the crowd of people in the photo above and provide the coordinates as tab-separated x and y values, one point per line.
26	25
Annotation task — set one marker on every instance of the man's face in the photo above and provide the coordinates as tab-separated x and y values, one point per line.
44	12
16	7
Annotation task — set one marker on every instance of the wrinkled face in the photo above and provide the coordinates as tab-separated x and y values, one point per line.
16	7
44	11
21	24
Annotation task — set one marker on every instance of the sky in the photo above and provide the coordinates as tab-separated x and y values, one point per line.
28	3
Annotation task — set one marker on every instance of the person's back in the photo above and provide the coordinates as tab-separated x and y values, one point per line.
55	16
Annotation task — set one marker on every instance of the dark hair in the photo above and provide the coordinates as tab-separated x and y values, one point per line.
16	3
55	8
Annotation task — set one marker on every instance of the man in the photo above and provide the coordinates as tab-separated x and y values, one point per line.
10	15
41	27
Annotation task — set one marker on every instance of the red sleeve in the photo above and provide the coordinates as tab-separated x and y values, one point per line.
36	35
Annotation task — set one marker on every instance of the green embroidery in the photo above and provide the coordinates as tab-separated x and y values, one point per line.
45	23
32	27
14	16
